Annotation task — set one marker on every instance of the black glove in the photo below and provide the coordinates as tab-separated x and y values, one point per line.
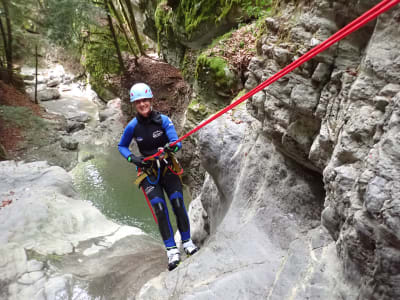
138	161
171	149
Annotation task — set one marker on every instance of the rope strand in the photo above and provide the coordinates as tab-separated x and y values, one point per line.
339	35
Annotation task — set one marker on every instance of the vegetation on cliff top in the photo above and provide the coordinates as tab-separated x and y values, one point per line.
191	14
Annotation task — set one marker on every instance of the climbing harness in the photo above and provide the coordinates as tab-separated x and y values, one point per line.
171	164
342	33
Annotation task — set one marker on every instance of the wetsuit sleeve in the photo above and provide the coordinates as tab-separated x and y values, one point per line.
169	128
126	139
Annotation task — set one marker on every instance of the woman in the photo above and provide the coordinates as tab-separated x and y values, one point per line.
152	130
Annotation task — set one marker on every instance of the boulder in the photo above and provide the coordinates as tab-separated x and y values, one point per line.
53	83
52	244
73	126
81	117
69	143
106	113
28	77
46	94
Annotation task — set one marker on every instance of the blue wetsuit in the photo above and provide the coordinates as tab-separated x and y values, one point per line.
151	133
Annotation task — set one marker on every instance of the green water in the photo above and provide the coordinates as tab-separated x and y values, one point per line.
107	182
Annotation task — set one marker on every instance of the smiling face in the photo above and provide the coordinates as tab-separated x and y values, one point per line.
143	107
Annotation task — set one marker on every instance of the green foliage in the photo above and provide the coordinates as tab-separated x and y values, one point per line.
217	66
256	8
190	14
220	39
22	14
99	58
162	15
67	21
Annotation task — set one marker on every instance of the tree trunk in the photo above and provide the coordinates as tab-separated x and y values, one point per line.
134	27
3	35
110	24
4	38
40	4
121	24
36	73
8	40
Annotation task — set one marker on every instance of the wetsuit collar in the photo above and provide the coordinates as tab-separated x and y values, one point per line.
154	116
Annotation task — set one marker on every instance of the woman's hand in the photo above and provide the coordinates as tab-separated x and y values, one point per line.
139	161
171	149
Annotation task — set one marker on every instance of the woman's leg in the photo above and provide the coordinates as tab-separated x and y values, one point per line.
156	196
173	188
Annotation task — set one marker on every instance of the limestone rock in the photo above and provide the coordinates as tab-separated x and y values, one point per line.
69	143
53	83
338	115
342	110
73	126
255	204
46	221
46	94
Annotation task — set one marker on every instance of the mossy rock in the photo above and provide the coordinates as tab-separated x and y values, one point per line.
214	78
197	111
187	24
105	93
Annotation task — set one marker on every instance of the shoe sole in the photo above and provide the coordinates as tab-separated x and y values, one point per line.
172	267
190	254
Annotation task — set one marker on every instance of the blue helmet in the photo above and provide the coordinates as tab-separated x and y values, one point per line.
140	91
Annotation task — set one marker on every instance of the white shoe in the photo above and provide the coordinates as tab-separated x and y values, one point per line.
174	258
189	247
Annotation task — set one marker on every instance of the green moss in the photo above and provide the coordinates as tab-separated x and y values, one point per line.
163	16
197	110
99	59
194	13
220	39
217	68
193	103
50	258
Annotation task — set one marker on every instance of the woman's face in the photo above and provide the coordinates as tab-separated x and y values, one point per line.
143	107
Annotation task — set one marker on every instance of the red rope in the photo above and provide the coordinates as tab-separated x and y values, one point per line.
342	33
149	204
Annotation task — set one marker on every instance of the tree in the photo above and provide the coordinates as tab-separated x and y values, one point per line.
7	36
115	39
132	25
121	26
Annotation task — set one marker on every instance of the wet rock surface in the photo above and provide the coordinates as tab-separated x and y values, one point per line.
54	246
